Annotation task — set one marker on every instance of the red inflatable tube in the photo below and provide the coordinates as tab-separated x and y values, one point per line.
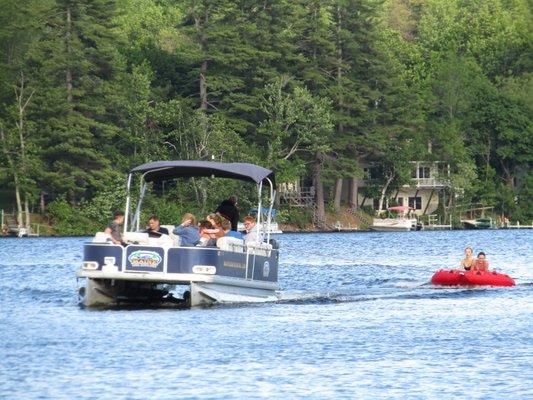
471	278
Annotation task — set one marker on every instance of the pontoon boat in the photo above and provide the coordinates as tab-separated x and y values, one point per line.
143	270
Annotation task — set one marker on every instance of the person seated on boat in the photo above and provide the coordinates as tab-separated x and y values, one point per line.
467	262
481	263
187	231
252	231
228	232
228	209
206	239
114	229
155	230
216	221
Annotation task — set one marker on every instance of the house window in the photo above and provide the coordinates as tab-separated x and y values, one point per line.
399	200
415	202
413	173
423	172
367	173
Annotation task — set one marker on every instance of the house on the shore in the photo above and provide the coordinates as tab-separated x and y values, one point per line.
422	193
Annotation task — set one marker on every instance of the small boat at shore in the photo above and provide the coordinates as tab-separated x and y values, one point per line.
454	277
480	223
402	222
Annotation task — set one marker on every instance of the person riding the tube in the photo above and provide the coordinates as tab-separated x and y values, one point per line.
468	261
481	263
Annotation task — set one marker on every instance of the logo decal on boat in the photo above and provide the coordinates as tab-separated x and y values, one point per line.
266	269
145	258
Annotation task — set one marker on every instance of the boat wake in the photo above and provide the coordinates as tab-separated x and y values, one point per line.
415	291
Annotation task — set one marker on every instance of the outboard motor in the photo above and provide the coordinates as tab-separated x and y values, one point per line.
274	243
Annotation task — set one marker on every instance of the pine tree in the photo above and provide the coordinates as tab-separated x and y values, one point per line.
76	65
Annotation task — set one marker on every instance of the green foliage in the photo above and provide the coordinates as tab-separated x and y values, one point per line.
304	87
296	124
300	218
69	221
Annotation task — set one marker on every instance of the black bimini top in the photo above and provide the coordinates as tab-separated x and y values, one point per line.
164	170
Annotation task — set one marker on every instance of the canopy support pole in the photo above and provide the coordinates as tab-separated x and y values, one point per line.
269	215
137	216
259	192
128	201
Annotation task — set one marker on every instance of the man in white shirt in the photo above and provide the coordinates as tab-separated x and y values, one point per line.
252	231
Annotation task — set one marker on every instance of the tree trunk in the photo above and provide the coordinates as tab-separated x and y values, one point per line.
338	194
203	86
340	126
18	199
27	211
11	164
22	104
42	205
353	193
383	192
68	43
200	21
319	190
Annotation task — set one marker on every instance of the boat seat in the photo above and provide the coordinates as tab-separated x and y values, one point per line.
232	244
135	238
260	249
175	238
162	241
101	237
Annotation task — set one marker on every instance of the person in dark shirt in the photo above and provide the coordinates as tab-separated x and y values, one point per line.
228	209
115	227
154	229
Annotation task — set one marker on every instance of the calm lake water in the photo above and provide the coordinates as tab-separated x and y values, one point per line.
357	319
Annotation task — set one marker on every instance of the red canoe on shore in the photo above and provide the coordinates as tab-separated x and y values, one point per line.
455	277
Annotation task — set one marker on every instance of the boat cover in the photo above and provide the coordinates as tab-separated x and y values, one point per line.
164	170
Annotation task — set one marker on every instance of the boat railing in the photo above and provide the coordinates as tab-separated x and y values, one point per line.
225	243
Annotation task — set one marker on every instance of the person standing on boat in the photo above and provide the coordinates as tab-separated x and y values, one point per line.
252	231
115	227
468	261
154	229
481	264
188	231
228	209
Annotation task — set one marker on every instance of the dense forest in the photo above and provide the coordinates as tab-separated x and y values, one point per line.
91	88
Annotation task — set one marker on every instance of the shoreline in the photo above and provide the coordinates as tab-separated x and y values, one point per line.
292	232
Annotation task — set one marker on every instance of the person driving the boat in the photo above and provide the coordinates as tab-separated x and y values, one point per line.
252	231
481	263
114	228
467	262
154	229
187	231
